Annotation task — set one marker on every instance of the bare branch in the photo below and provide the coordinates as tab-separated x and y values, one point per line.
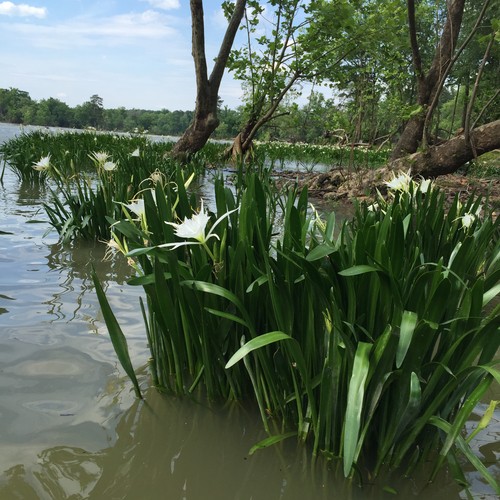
227	43
470	105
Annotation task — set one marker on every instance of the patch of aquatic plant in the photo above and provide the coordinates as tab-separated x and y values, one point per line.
89	174
412	307
185	265
278	153
70	150
81	200
373	343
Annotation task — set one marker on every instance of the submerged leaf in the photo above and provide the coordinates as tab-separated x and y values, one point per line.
117	337
269	441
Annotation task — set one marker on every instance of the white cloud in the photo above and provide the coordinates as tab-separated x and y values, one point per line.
116	30
164	4
22	10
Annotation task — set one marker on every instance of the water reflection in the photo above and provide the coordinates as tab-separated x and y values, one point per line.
31	194
174	448
70	268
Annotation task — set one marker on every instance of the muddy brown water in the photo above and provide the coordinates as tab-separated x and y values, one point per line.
70	426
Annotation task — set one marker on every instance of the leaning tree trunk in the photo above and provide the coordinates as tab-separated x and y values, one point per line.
429	84
451	155
244	140
205	119
241	144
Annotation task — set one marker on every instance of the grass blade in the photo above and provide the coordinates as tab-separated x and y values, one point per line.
265	443
117	337
355	398
256	343
408	324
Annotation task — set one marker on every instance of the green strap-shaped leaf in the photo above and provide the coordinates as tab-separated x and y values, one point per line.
355	397
464	447
269	441
355	270
491	294
320	252
256	343
408	324
115	332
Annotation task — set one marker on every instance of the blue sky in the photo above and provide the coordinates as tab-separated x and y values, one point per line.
132	53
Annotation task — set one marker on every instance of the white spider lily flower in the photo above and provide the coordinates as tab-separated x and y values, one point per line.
195	228
109	166
42	164
158	176
111	247
99	157
400	182
136	206
136	152
425	185
467	220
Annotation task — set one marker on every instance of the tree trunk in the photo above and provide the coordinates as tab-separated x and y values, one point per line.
205	119
428	85
451	155
260	116
241	144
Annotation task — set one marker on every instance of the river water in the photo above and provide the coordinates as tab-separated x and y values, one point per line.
70	426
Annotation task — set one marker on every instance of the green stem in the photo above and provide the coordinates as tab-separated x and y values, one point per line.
210	253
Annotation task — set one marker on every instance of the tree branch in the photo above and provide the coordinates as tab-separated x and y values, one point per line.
446	71
417	59
474	91
227	43
198	41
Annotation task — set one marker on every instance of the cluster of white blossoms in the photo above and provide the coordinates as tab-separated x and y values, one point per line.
42	164
403	181
101	160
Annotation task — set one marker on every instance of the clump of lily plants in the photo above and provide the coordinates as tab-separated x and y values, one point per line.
278	152
89	175
372	342
70	150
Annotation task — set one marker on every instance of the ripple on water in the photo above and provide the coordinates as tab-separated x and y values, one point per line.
54	407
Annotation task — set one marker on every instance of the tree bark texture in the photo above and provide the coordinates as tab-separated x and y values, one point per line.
205	119
430	83
446	158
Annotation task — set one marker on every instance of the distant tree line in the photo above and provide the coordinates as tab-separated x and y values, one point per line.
16	106
308	123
